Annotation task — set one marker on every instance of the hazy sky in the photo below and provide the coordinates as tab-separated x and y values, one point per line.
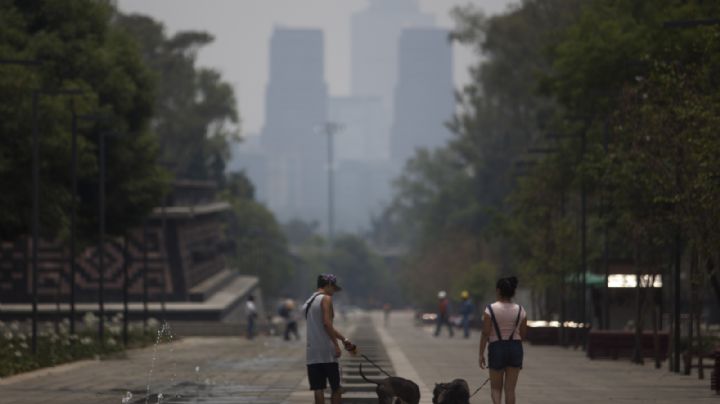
242	31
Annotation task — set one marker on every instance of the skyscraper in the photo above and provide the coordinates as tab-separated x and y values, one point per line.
296	103
364	136
375	33
424	99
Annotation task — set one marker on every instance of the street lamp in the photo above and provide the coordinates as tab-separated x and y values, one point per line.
36	182
330	129
101	221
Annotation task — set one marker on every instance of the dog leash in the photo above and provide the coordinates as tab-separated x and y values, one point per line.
375	364
478	389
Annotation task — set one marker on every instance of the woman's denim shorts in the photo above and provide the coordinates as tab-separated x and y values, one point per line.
504	354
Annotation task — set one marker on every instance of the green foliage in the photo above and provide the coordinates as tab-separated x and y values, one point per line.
57	346
80	50
260	248
454	201
301	233
655	90
432	198
626	110
365	278
195	110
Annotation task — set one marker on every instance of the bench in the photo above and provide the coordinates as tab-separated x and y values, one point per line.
621	344
699	364
546	335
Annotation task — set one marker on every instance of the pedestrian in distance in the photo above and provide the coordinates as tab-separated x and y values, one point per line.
386	314
289	314
504	328
443	314
251	315
323	349
467	308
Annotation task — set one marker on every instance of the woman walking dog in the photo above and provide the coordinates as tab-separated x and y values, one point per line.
504	327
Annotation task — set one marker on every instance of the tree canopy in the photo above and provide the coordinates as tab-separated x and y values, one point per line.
81	50
195	110
598	101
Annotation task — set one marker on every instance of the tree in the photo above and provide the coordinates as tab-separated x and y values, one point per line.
618	67
80	49
259	246
454	201
195	110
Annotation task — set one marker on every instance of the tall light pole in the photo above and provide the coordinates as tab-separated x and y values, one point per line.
101	241
35	226
36	199
330	129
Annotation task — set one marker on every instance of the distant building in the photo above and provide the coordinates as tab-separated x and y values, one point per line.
424	99
365	130
248	156
362	155
374	54
362	189
364	147
296	103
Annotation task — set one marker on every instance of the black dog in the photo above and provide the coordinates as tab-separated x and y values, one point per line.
404	391
455	392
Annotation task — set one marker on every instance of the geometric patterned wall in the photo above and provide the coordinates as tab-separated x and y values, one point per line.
190	253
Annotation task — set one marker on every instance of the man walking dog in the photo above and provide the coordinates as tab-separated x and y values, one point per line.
323	349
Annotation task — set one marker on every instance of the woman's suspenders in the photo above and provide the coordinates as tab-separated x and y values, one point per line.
497	327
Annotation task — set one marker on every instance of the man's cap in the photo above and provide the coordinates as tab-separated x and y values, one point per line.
328	279
442	294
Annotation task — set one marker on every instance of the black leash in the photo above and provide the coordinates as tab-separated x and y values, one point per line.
375	364
478	389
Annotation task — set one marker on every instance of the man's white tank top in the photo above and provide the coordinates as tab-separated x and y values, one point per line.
320	348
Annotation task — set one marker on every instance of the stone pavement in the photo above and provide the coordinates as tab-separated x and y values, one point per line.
268	370
229	370
550	374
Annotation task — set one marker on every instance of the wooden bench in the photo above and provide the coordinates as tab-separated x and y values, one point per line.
547	335
697	360
621	344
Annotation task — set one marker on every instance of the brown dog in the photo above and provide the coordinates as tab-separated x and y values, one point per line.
404	391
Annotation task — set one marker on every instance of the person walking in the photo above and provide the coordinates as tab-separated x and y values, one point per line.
504	328
289	314
386	314
466	310
323	349
251	314
443	314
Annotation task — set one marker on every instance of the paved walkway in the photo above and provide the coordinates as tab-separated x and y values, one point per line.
550	375
235	370
269	370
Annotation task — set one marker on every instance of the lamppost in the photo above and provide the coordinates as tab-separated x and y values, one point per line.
330	129
101	241
36	182
563	281
102	134
36	200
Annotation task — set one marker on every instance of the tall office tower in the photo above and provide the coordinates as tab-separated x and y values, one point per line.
424	99
295	104
362	153
374	35
364	128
